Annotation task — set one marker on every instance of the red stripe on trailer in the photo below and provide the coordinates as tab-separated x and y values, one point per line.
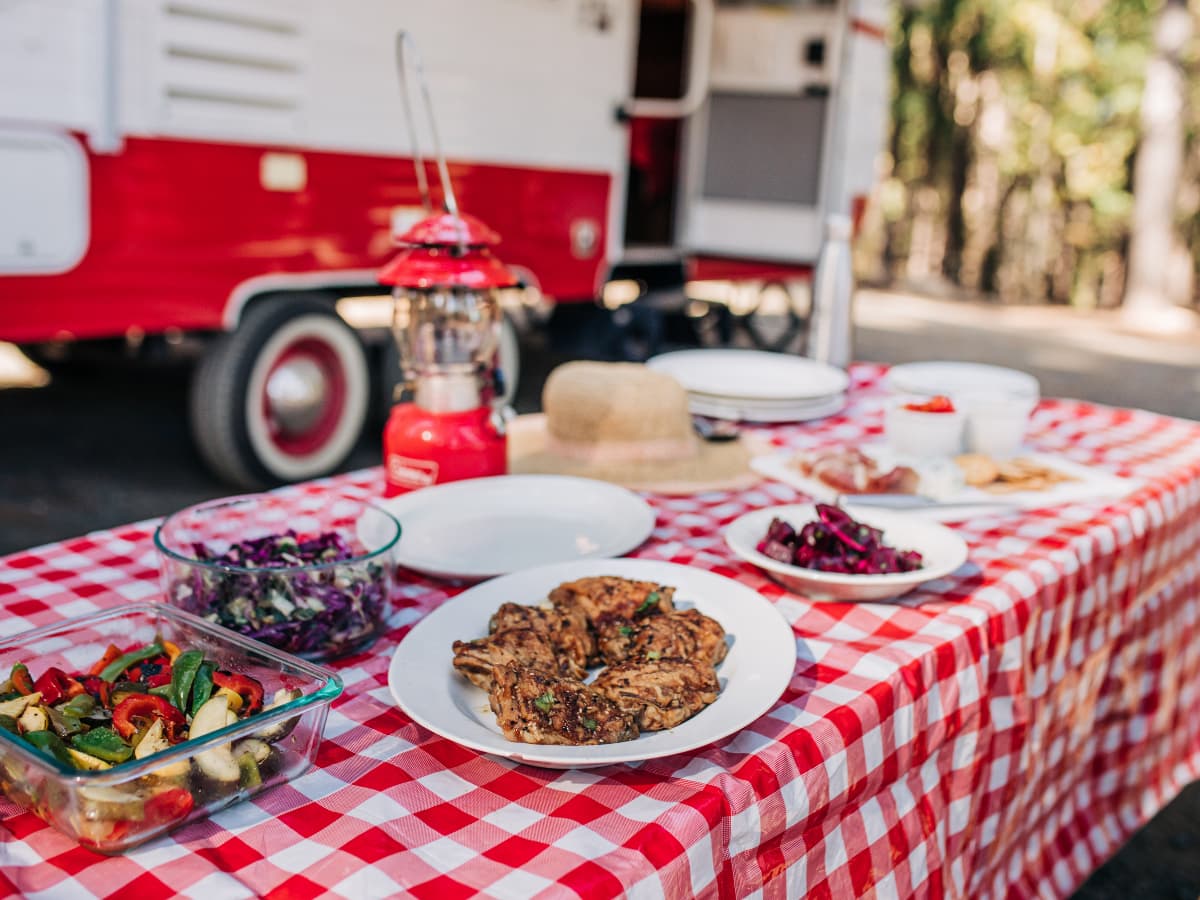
719	268
177	225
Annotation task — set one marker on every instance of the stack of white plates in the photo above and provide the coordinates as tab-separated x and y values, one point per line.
755	386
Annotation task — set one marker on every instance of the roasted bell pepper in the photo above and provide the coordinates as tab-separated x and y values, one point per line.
21	679
139	710
170	805
102	743
63	723
162	678
244	686
109	655
51	745
55	684
8	723
202	687
113	670
147	669
101	691
183	675
81	705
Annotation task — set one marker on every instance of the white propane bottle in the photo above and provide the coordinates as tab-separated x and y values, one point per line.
830	336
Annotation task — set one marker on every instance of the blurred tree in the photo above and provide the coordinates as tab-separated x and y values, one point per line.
1158	284
1014	129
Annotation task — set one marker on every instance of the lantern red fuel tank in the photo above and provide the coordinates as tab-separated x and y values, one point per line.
447	327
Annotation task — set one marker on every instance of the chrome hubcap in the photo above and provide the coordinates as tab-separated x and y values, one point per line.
296	394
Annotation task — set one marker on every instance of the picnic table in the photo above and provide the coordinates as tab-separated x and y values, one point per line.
997	733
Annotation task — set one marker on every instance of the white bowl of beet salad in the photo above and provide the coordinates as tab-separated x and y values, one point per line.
293	575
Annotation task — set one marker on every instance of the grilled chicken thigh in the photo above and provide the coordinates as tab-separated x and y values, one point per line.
567	630
681	633
661	663
614	638
534	707
476	659
659	693
608	595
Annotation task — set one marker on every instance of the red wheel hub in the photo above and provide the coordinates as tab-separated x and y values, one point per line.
304	396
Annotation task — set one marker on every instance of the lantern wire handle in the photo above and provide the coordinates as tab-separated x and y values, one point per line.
406	47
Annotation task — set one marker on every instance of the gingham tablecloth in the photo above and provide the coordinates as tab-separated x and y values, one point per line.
1000	732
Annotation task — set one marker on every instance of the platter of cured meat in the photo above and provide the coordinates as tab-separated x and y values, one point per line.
950	489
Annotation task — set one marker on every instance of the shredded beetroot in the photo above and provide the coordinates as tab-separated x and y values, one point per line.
836	543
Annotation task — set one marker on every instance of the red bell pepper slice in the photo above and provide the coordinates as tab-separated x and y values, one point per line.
164	808
139	710
170	805
55	684
244	686
163	677
144	671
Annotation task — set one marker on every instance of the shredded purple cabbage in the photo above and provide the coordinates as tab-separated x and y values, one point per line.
318	614
836	543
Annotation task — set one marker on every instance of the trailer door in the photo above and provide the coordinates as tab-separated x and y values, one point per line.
773	149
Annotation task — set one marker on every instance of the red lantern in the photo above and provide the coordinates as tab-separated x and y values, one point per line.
447	327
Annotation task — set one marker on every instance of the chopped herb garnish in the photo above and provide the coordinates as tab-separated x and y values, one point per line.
590	724
545	701
626	631
654	654
652	599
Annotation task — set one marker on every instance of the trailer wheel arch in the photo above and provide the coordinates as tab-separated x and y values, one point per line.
284	395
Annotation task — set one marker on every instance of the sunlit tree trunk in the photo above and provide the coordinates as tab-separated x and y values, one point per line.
1157	284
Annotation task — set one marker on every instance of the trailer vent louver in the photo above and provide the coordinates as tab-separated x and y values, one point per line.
234	68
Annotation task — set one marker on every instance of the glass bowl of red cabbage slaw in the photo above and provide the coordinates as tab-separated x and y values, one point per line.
286	570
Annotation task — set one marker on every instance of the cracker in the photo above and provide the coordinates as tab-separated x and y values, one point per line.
978	468
1023	474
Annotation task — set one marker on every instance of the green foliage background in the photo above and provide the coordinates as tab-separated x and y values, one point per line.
1015	124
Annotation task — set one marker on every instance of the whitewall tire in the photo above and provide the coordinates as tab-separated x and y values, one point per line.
282	398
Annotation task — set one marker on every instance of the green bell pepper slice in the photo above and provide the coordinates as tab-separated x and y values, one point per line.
8	723
114	669
80	705
202	687
50	744
63	724
103	743
183	674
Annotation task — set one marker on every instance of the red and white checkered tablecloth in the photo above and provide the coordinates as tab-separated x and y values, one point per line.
999	733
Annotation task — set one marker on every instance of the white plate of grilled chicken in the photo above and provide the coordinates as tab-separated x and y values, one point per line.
595	662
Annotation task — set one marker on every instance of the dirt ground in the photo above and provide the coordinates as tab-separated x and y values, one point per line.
102	448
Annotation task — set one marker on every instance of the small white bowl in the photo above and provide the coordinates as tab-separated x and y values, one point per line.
914	433
941	549
995	421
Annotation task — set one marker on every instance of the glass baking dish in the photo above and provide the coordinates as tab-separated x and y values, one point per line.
111	810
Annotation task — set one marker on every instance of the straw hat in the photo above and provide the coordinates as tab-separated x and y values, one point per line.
627	424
